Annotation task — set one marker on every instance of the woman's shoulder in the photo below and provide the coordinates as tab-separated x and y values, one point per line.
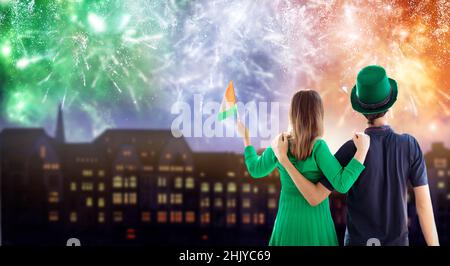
319	143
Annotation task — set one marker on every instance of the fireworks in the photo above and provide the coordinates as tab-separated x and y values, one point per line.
112	62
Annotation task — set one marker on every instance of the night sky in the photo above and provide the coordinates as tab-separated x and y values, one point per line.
124	63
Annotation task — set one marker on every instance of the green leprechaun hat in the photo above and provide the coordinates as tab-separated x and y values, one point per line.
374	92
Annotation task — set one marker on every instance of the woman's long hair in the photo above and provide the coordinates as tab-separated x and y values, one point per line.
306	118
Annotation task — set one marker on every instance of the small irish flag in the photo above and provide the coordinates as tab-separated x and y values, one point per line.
228	107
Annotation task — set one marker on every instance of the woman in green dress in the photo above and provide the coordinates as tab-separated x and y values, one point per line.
300	222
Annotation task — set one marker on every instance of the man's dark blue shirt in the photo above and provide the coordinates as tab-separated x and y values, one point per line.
377	202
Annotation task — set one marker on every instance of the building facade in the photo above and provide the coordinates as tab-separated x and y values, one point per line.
438	160
128	187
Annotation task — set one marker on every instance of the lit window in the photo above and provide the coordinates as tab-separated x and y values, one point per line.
73	186
246	203
101	217
231	174
117	198
188	168
246	218
53	216
101	173
261	218
87	172
204	202
189	182
178	182
255	189
205	187
147	168
162	198
145	216
441	173
87	186
441	185
162	217
190	217
231	187
53	197
132	198
205	218
101	202
133	181
117	182
176	216
42	152
255	218
168	155
176	198
162	181
218	203
73	217
448	196
117	216
163	168
119	167
440	163
271	203
101	186
271	189
231	218
126	153
218	187
231	203
246	187
89	201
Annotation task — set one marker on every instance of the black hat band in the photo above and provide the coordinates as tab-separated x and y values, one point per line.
373	106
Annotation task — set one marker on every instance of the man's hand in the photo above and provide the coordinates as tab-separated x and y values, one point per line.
280	147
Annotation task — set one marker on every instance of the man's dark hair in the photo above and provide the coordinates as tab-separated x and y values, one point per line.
371	117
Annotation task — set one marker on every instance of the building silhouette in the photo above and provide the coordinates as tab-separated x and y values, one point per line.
128	187
139	187
438	167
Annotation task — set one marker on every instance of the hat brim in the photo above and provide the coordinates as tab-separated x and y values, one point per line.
358	108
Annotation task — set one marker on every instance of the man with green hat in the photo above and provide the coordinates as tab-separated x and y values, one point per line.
377	202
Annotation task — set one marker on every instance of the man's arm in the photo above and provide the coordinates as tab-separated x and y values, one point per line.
426	216
419	180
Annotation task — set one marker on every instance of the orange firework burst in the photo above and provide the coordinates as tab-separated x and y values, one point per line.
411	40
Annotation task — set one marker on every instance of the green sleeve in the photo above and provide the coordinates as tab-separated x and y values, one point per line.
259	166
342	179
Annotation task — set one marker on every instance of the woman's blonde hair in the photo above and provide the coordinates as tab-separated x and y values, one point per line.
306	118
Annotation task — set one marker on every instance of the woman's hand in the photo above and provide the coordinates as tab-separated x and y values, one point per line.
361	140
243	132
280	147
362	143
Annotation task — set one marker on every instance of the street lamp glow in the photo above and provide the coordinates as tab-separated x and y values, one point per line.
97	23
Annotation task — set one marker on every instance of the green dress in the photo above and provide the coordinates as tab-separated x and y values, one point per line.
298	223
